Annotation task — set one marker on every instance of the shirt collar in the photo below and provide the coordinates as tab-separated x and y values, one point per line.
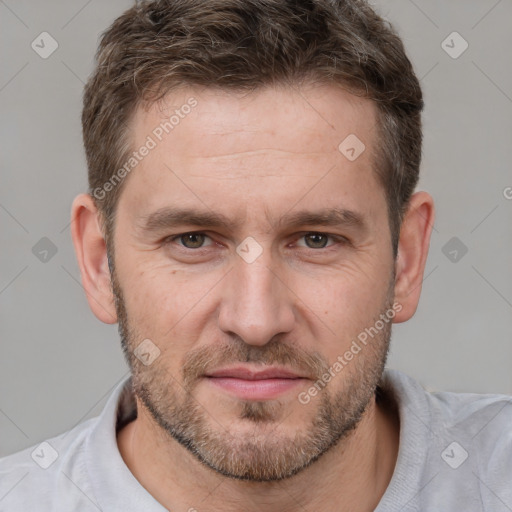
114	486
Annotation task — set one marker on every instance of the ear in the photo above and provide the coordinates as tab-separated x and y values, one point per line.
91	253
412	254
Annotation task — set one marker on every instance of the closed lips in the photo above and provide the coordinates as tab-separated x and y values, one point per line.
247	374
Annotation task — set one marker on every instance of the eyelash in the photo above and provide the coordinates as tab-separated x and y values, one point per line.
339	240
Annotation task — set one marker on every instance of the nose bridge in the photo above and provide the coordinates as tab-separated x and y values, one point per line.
256	304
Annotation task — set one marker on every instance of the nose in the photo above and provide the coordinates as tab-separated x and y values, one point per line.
256	303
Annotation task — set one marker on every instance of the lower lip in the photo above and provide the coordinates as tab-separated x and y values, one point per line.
264	389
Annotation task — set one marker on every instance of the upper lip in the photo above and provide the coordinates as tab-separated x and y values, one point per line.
240	372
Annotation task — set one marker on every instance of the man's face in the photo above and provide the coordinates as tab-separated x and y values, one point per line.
272	287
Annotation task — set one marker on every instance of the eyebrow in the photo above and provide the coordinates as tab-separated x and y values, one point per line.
169	217
334	217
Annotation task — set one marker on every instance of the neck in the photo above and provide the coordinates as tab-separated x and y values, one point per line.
353	475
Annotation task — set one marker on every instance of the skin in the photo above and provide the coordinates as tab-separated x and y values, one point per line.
255	158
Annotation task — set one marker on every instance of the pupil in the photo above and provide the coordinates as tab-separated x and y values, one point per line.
317	235
190	238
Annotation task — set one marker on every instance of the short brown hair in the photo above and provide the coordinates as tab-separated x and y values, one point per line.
244	45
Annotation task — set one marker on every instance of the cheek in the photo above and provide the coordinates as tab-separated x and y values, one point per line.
344	303
346	287
164	301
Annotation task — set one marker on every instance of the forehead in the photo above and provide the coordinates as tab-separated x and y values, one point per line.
221	148
321	116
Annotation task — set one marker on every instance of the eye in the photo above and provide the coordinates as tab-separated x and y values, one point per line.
191	240
319	240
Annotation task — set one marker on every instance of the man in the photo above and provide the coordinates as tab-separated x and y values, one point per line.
253	228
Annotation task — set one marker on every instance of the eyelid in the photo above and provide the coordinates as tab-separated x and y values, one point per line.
339	239
173	238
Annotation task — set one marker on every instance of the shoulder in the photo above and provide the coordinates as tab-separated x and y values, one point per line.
482	423
472	413
456	446
32	478
485	416
471	425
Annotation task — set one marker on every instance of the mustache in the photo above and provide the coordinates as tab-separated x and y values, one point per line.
206	359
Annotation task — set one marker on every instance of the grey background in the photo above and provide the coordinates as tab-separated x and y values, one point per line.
58	363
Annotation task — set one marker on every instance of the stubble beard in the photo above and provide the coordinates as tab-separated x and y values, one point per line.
268	453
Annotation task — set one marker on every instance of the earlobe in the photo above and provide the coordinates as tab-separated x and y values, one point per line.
412	253
91	253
